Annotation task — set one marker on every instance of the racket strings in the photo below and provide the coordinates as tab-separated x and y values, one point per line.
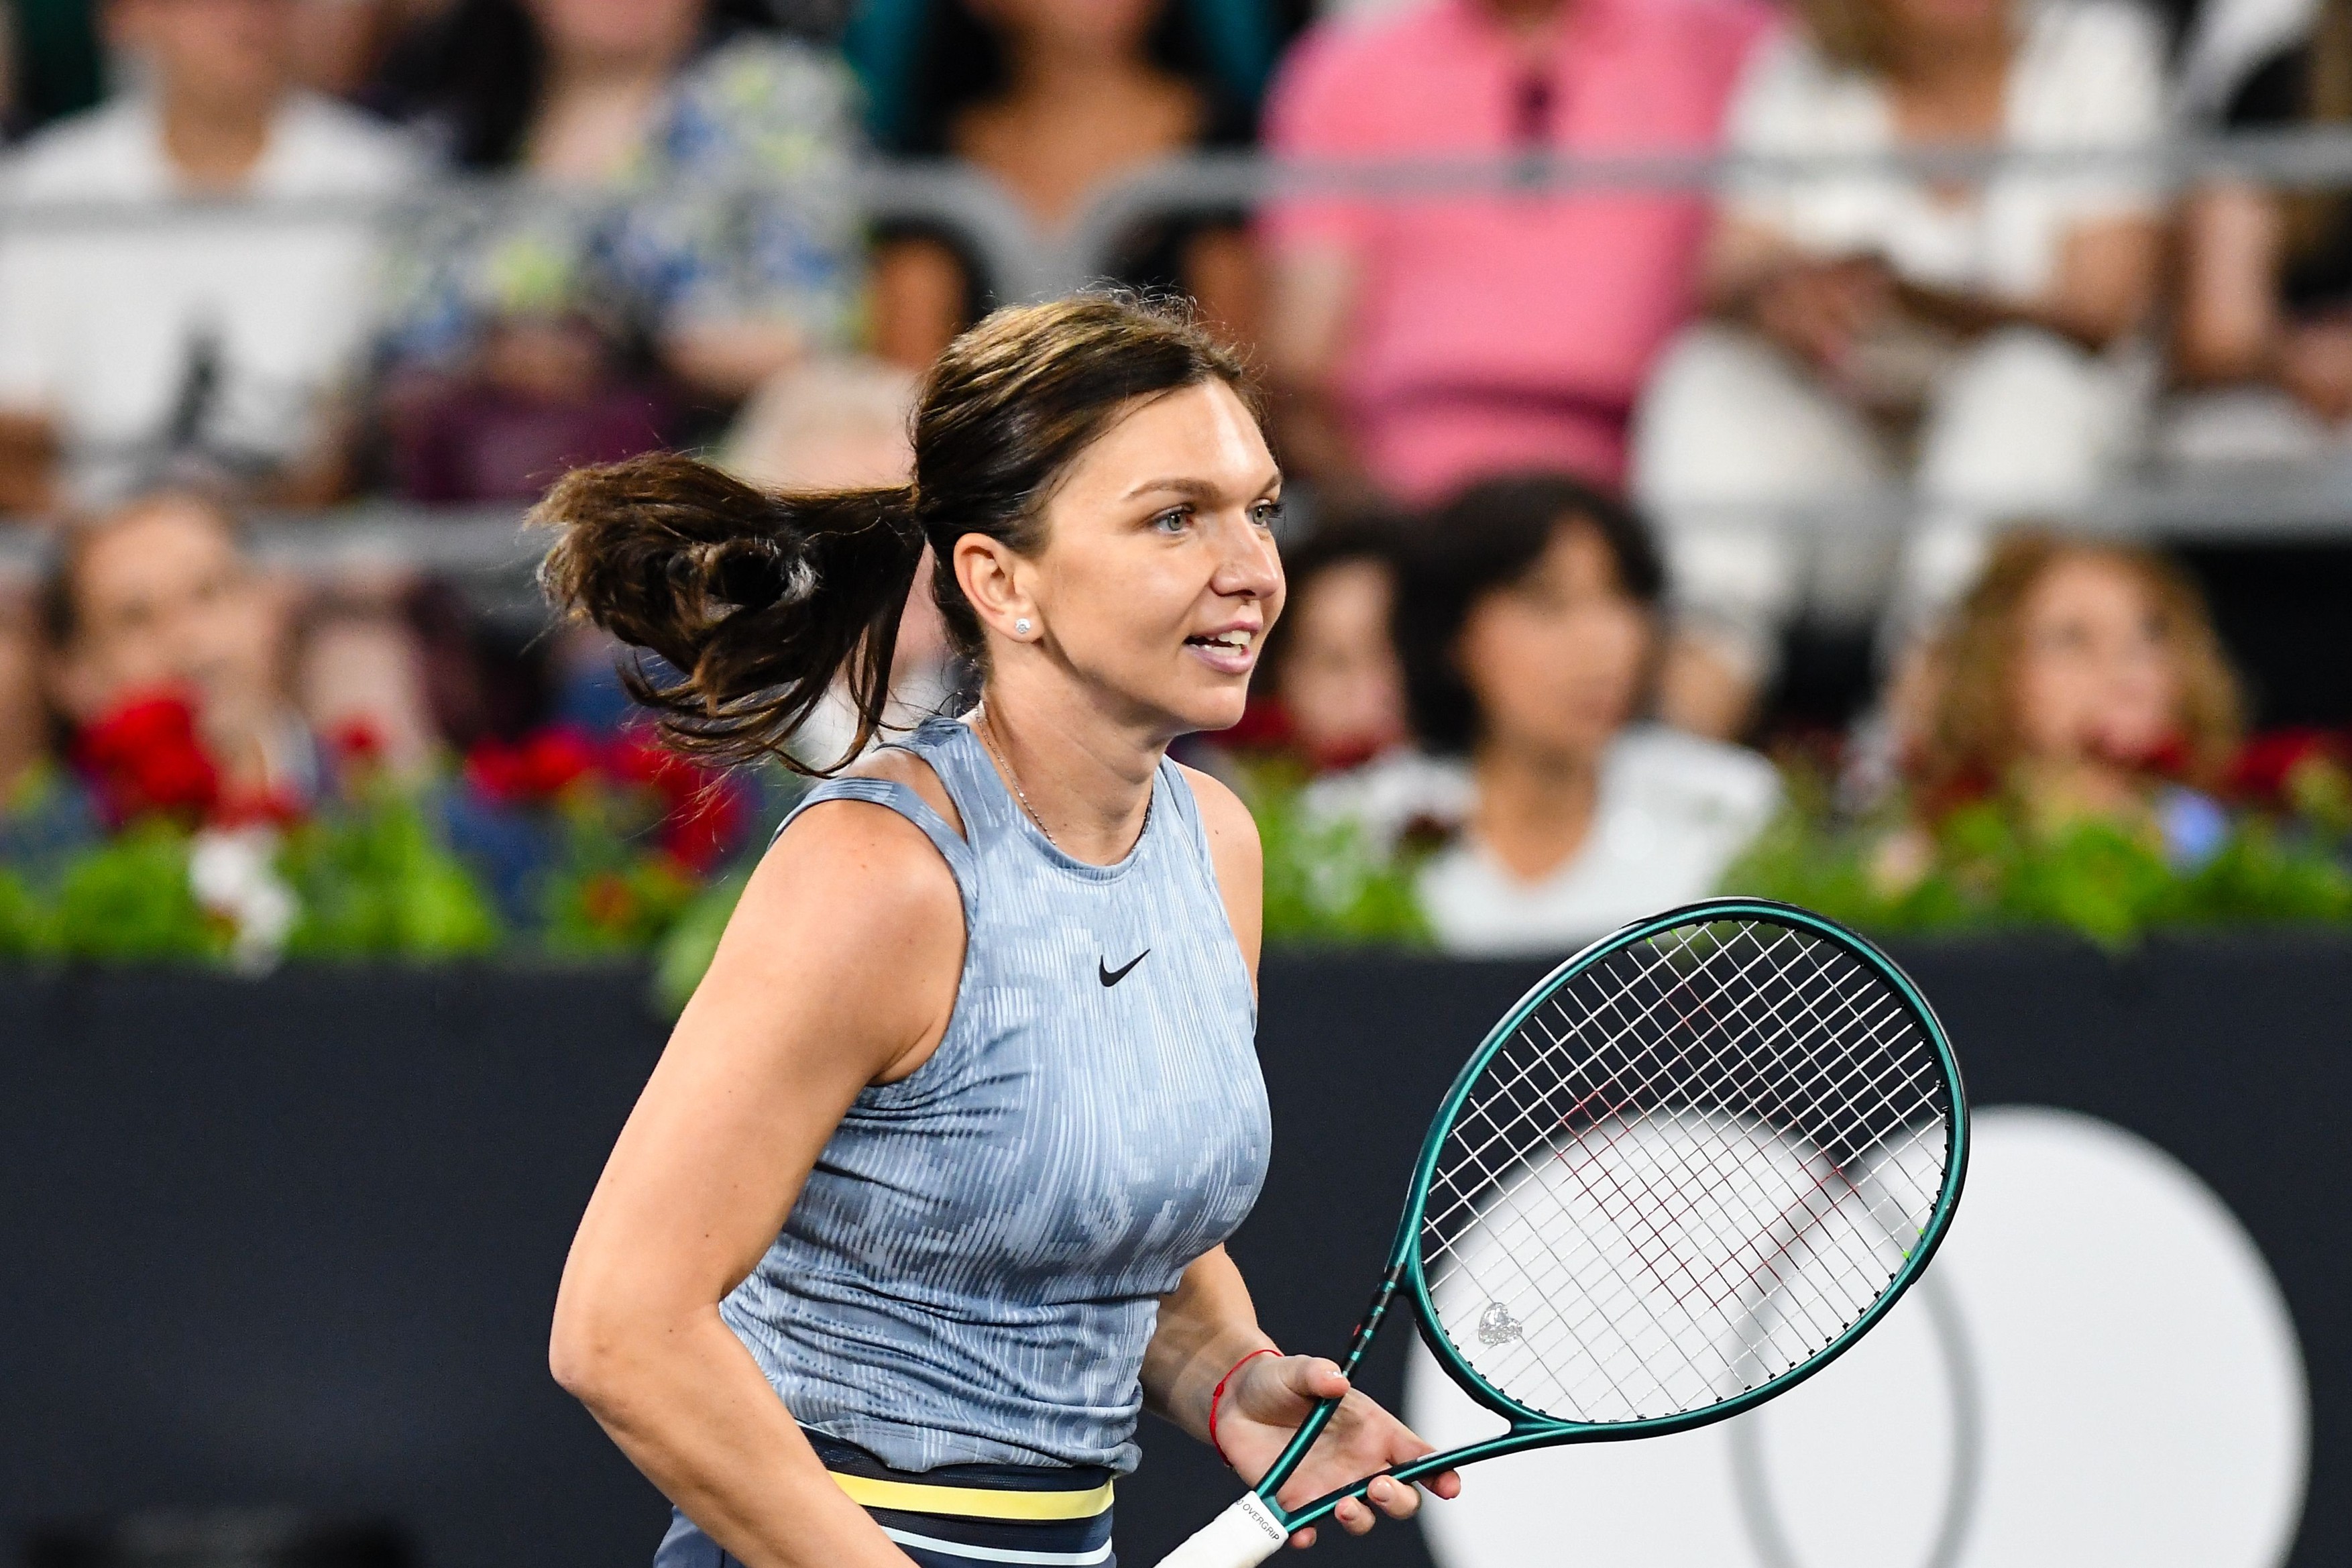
1806	1201
1760	1252
1695	1165
1714	1352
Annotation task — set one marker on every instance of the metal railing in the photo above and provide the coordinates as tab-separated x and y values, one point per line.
1023	261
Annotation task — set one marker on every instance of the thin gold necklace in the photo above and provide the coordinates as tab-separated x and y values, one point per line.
986	727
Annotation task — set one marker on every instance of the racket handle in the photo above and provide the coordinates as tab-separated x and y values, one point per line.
1244	1536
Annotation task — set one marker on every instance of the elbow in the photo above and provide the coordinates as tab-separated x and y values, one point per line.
585	1350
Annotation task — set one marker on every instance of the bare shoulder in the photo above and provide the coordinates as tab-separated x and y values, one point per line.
899	765
1231	827
875	864
1239	860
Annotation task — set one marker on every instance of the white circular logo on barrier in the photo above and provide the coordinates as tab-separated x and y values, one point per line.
2098	1370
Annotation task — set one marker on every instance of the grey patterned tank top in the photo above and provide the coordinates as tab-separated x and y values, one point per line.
975	1265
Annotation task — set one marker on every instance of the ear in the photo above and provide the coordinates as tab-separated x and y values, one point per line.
993	577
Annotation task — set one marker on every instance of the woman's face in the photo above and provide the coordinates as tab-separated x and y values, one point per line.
1340	679
631	33
1115	27
1932	24
1555	660
2096	678
1158	577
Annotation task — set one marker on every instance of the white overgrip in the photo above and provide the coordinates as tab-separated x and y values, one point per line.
1244	1536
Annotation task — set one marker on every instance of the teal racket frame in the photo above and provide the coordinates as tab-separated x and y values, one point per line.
1531	1429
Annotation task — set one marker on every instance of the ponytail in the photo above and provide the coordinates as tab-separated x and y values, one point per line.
756	601
759	601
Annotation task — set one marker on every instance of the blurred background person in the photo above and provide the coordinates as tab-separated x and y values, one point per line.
2265	319
1330	687
212	350
157	598
43	812
2083	680
1416	345
1055	99
636	288
831	424
1976	340
360	680
1529	620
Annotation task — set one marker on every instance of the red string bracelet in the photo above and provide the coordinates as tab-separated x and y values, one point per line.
1220	1393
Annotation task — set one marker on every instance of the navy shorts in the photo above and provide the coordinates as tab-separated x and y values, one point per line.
959	1516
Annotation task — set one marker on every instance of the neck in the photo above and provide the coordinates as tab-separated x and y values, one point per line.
1055	73
593	114
1530	19
1535	808
240	741
214	146
1960	64
1087	774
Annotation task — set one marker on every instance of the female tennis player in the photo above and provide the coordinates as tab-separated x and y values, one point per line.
926	1197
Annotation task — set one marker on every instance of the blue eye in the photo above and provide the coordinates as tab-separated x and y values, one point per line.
1174	520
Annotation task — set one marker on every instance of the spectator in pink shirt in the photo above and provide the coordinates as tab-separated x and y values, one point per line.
1420	344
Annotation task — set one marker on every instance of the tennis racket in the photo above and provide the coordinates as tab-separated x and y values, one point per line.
1687	1171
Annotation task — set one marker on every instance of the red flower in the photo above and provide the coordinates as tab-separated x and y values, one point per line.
356	743
144	758
2262	768
536	769
702	812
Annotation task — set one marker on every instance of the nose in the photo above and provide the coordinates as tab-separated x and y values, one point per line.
1248	565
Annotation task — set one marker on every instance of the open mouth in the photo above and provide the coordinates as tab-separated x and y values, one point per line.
1236	641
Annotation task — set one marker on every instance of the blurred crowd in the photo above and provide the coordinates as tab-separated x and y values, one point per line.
1574	463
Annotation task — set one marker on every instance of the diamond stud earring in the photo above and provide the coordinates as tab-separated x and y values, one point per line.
1021	627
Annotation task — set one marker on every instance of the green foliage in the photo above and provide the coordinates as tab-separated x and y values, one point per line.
611	892
375	882
128	900
24	923
625	907
1326	882
1984	867
685	953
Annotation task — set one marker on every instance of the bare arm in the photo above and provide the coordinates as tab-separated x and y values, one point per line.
1816	306
838	969
2229	331
1208	1323
2107	283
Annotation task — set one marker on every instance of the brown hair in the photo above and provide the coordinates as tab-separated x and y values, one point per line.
758	600
1971	738
1852	34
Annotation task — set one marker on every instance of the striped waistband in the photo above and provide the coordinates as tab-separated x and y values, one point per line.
959	1515
961	1501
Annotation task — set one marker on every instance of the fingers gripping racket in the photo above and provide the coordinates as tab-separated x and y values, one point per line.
1681	1175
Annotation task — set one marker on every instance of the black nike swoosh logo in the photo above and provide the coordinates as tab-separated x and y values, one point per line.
1110	976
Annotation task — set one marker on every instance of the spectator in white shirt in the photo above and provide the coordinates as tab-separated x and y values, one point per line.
1528	623
209	348
1975	340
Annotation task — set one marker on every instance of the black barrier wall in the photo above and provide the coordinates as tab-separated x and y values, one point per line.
295	1241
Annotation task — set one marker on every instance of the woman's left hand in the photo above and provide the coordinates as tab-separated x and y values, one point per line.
1263	1407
